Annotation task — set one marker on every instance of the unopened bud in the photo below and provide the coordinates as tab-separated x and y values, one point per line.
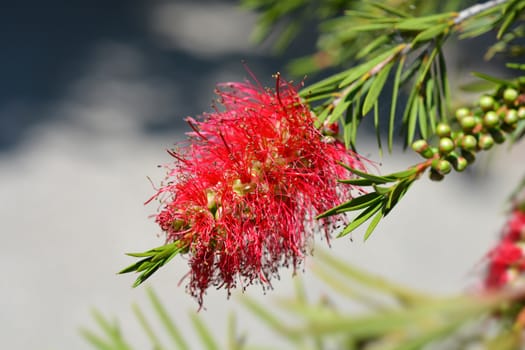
435	175
461	113
446	145
486	142
443	130
510	95
486	103
490	119
469	142
468	123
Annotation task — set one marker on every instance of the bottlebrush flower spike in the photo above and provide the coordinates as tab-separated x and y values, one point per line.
242	194
506	262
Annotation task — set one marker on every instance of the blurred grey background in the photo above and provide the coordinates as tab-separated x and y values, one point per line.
91	95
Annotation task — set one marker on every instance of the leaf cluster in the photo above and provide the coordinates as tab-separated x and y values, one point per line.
394	317
409	51
153	259
112	337
376	203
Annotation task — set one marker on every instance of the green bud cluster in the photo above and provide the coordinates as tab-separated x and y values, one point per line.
473	130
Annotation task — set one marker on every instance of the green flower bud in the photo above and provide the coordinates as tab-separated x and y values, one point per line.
435	175
521	113
469	142
511	117
457	136
469	156
444	166
462	112
491	119
461	164
486	103
443	130
422	147
486	142
468	123
498	135
446	145
510	95
419	146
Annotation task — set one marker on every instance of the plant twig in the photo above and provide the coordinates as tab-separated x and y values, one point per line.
475	9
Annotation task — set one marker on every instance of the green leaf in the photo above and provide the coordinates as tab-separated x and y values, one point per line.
404	174
509	19
374	44
422	23
363	70
512	65
111	331
95	340
495	79
377	179
430	33
155	258
339	109
393	104
376	88
233	342
325	83
357	203
397	193
373	224
382	190
357	182
412	120
427	63
370	27
167	322
413	67
204	333
477	27
361	218
262	312
322	117
422	118
155	341
389	9
376	127
444	87
375	283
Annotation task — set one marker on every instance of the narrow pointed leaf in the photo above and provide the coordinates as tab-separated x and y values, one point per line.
375	178
357	203
155	341
204	333
167	322
430	33
393	104
374	44
373	225
360	219
376	127
357	182
494	79
364	68
389	9
376	88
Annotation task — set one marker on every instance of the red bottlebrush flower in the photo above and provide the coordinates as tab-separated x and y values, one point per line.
243	193
516	226
507	259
